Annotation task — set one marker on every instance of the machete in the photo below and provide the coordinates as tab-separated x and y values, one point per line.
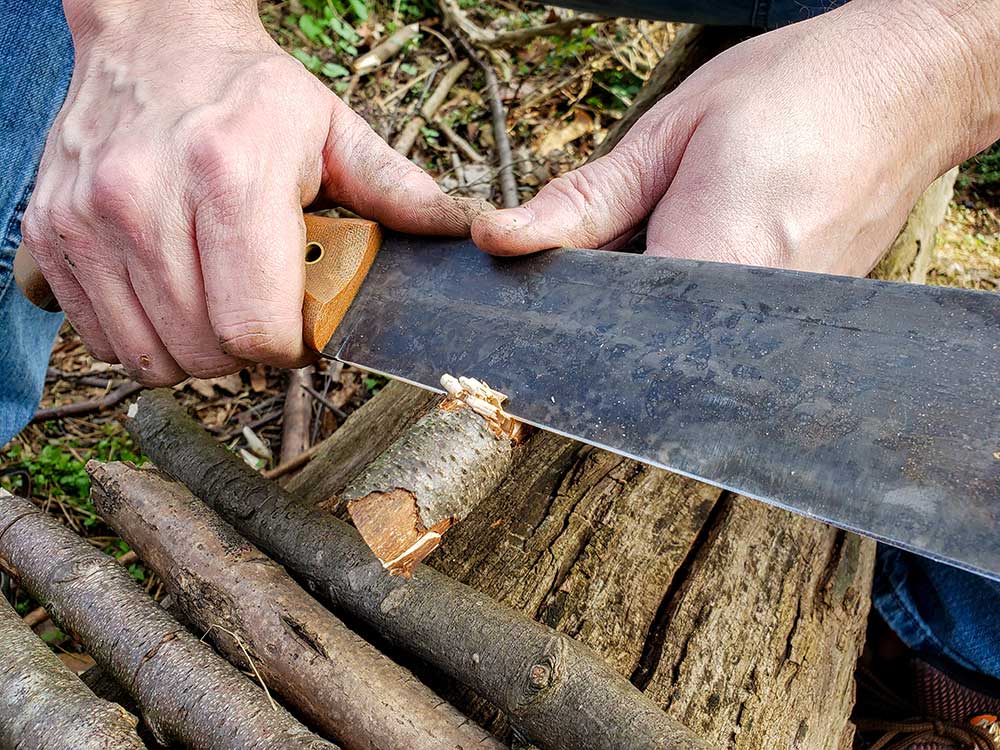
870	405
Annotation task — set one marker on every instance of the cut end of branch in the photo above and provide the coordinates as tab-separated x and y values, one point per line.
390	524
484	401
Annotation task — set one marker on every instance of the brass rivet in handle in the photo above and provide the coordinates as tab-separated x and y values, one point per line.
314	253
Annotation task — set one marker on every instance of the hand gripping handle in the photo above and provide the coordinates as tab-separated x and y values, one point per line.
338	254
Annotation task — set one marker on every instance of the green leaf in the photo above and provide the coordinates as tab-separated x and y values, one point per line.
312	62
344	30
333	70
312	28
409	69
360	9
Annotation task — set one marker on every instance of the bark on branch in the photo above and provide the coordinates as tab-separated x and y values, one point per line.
187	694
44	705
228	588
557	692
433	476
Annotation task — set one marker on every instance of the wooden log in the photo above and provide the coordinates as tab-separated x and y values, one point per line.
187	694
693	593
555	690
434	475
44	705
227	588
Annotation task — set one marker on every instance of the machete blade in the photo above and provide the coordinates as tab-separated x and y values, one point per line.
867	404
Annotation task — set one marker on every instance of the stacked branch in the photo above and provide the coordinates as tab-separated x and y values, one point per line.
44	705
187	694
247	604
557	692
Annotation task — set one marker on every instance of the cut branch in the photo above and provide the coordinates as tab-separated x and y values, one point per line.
455	17
187	694
228	588
557	692
386	50
44	705
408	136
434	475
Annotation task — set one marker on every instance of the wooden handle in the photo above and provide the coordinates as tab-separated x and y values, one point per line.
338	254
32	284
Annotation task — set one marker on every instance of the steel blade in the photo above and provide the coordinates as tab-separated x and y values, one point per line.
874	406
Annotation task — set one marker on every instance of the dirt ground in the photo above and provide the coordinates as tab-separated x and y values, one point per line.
561	94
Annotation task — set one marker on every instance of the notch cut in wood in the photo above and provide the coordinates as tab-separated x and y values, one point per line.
434	475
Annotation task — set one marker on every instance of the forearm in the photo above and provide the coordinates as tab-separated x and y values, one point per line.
939	62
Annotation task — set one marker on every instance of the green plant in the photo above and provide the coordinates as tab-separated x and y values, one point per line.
57	474
982	172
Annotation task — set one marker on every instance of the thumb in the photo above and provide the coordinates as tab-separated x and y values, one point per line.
597	203
362	172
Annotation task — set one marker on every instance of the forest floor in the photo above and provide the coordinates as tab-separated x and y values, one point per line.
560	92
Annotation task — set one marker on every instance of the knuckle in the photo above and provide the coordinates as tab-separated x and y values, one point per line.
34	227
114	184
200	364
258	340
576	188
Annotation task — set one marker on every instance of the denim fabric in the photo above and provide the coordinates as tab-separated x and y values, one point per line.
760	14
36	59
938	610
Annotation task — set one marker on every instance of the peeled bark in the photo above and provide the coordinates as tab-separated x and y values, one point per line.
186	693
44	706
226	587
433	476
557	692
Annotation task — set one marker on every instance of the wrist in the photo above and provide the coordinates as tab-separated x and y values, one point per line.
92	20
937	63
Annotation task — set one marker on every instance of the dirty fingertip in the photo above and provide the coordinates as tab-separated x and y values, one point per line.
503	232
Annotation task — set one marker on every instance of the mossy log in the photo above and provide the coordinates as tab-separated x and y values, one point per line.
187	694
44	706
556	691
230	590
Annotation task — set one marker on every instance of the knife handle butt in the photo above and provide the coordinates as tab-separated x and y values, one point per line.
29	279
338	254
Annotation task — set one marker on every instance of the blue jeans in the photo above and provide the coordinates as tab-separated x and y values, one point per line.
36	59
936	610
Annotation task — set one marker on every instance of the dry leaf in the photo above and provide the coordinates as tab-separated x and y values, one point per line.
556	140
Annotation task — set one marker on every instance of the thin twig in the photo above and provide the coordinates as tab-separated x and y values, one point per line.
291	465
246	654
505	156
323	401
90	406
